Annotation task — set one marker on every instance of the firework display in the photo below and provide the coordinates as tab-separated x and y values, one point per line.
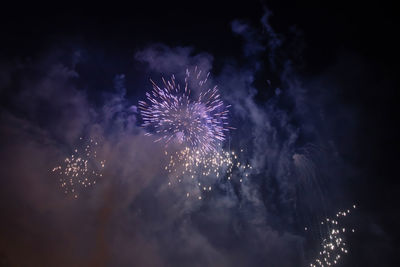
199	125
198	167
81	169
205	133
333	245
195	118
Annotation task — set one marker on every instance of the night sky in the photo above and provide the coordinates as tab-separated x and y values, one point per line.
312	90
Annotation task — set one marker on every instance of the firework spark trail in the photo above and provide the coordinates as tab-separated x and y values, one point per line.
333	245
197	167
81	169
175	113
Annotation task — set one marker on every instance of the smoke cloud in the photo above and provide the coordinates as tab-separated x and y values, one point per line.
131	217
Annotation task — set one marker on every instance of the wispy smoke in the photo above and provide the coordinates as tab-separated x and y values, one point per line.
131	218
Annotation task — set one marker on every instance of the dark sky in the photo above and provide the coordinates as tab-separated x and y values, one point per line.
335	64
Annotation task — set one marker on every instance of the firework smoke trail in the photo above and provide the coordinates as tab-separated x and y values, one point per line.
333	245
204	169
306	166
198	122
81	169
310	185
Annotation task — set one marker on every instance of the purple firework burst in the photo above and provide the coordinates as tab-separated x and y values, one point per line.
174	113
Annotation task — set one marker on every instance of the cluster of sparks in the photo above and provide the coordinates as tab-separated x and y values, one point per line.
196	167
195	118
81	169
333	245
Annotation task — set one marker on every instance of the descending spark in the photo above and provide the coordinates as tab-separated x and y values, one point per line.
81	169
333	245
305	166
197	167
175	113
